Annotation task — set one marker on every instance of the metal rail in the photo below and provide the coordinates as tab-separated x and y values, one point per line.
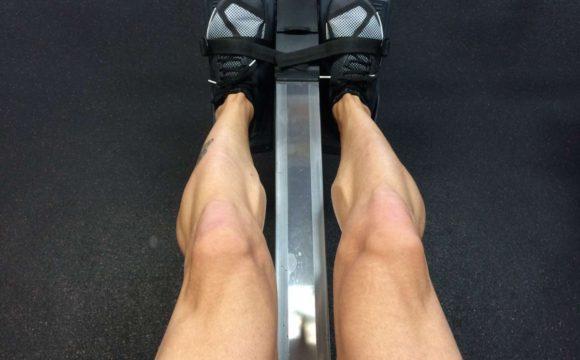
300	248
303	328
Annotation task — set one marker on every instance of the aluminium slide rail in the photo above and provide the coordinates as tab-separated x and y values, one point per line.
303	326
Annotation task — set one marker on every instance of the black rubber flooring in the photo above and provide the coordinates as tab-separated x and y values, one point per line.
104	106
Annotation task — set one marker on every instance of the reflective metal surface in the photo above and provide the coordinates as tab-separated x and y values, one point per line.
300	250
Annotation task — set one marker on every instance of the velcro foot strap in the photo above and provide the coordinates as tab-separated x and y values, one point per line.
253	48
332	48
259	50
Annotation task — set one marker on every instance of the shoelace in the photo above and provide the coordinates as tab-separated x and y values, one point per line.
231	69
359	65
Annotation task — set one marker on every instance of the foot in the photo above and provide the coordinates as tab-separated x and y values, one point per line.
248	21
354	74
236	73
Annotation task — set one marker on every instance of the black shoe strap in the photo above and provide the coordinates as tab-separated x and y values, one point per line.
252	48
339	46
259	50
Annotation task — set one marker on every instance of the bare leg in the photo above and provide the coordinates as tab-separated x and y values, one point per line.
385	305
227	305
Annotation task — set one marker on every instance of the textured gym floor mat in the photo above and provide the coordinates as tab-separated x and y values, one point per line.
104	106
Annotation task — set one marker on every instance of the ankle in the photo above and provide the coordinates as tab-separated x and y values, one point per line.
236	103
347	107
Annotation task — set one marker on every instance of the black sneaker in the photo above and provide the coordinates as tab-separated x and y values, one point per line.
356	74
253	20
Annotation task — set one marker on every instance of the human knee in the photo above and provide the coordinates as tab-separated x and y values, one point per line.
223	231
385	228
227	249
386	210
391	258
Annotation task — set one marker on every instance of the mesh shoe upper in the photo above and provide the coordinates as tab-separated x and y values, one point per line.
234	73
354	73
244	22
